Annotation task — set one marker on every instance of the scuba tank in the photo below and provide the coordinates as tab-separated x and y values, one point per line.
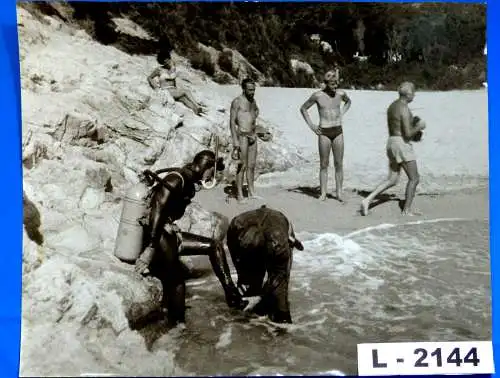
130	235
129	239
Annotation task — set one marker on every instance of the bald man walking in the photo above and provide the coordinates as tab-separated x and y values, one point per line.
403	128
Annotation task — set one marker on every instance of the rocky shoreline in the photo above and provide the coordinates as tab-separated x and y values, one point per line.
90	124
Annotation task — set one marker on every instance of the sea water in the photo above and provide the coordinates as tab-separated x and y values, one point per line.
426	281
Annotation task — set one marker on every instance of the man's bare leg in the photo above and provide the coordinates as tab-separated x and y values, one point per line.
242	169
338	161
324	146
411	170
391	180
252	161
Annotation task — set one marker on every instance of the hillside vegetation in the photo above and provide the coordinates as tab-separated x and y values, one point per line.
437	45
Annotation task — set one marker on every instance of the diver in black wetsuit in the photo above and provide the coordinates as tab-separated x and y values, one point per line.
261	241
165	243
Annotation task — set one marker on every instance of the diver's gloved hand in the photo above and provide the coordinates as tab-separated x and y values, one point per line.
242	289
172	228
234	298
251	302
142	263
140	266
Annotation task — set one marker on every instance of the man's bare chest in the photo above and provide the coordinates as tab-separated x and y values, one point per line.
329	102
247	106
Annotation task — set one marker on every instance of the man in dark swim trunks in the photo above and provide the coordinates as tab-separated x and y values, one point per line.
165	243
243	115
329	131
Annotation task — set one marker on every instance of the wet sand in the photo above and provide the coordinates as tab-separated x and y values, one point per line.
310	214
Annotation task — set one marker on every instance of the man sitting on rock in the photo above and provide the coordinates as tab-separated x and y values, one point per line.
165	243
261	241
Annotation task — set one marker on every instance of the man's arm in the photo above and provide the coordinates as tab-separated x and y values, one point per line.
158	202
232	122
305	114
220	266
347	102
158	214
153	76
406	124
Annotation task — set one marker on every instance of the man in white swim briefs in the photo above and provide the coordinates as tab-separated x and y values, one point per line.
402	130
329	130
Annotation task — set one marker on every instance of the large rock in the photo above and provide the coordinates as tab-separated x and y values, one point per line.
32	220
79	310
37	147
199	221
63	350
230	66
79	129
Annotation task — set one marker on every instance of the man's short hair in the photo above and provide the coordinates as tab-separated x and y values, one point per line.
246	81
331	74
405	88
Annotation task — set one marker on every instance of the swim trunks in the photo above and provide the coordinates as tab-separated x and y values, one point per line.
399	151
331	132
250	135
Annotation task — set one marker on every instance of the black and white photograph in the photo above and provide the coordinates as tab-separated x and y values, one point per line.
250	188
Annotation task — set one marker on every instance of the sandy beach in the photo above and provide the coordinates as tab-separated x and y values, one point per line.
310	214
453	163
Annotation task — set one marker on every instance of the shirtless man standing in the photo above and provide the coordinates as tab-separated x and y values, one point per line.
244	112
402	129
329	130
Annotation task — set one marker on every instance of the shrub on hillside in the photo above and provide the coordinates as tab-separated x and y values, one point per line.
226	61
431	37
201	60
223	78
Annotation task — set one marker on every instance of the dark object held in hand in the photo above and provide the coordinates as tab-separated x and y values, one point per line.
236	153
418	136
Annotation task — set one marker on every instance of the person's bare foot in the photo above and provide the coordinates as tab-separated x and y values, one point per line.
364	207
411	213
255	196
322	197
241	200
340	198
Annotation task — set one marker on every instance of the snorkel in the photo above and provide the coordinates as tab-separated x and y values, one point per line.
205	183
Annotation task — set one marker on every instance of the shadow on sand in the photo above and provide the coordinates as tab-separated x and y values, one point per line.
314	192
381	198
311	192
230	190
